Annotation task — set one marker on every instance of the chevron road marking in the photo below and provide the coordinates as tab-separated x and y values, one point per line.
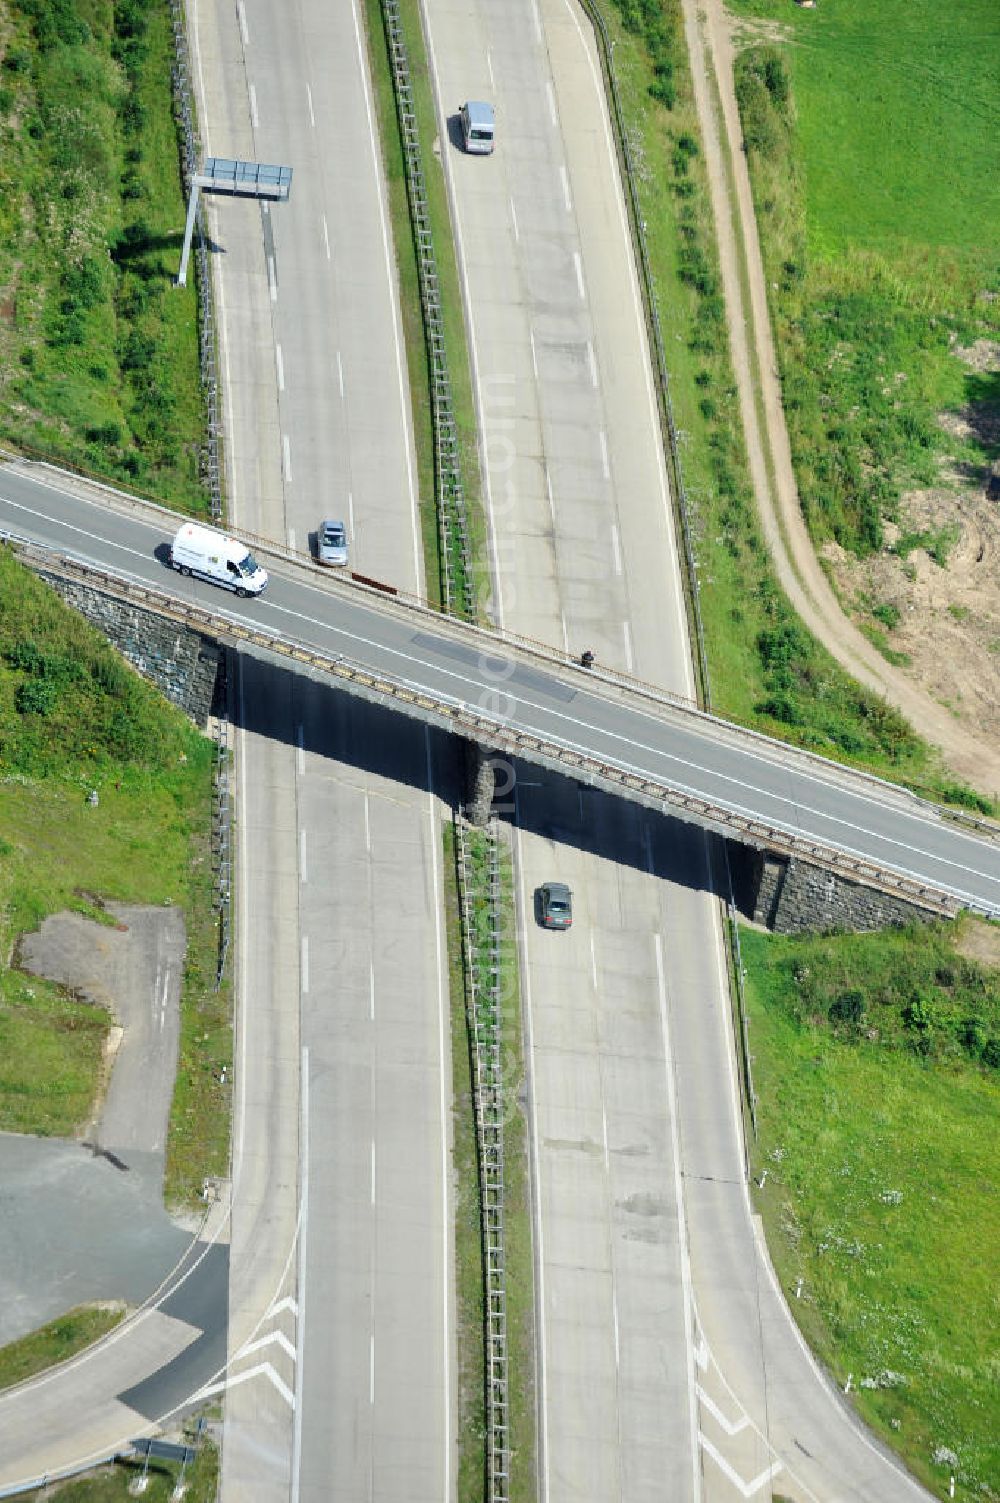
264	1368
279	1337
746	1488
731	1427
283	1304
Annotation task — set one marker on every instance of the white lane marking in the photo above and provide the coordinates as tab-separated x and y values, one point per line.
513	220
701	1352
272	280
300	1254
340	375
731	1427
373	1171
309	102
616	548
534	356
281	1305
300	750
304	966
593	967
536	20
687	1294
604	1139
371	990
489	69
565	633
536	1174
746	1488
291	538
402	381
303	868
254	120
264	1370
567	196
551	499
244	29
614	1317
326	237
640	325
286	458
350	514
470	688
602	439
592	362
371	1372
444	1107
578	268
368	827
280	363
273	1338
627	634
551	95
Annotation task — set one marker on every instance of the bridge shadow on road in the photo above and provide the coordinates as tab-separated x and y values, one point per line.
301	708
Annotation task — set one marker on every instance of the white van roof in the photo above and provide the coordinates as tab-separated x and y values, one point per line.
193	535
480	115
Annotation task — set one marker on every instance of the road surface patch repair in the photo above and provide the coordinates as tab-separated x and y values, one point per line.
83	1220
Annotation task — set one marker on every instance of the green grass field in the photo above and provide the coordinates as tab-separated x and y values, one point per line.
73	718
98	350
876	1062
873	138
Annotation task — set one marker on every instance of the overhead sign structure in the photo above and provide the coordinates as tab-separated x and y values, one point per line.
238	178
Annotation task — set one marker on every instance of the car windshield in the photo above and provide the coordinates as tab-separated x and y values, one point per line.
248	564
557	905
333	536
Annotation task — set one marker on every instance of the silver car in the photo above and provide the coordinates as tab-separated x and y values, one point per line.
331	544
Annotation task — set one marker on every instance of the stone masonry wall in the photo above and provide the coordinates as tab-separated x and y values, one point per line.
181	663
793	897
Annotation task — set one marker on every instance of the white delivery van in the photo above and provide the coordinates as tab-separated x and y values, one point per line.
478	127
211	555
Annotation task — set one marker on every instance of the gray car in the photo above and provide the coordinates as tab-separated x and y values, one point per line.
331	544
555	905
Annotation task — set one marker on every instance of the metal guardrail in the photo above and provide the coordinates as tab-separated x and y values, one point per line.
483	1010
452	513
211	458
492	731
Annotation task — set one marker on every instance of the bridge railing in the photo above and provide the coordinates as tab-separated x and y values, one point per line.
492	731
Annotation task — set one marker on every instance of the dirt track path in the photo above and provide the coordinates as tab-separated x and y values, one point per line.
707	31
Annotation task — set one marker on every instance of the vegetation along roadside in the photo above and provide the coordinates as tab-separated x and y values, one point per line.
469	1261
766	670
98	353
874	153
876	1062
75	718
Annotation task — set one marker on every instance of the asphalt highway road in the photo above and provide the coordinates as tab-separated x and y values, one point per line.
747	776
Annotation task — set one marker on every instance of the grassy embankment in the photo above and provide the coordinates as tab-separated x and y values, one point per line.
877	1066
873	151
98	351
56	1341
74	718
409	288
116	1484
468	1236
766	669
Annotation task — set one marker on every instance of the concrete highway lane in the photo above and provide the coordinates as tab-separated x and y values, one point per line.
749	776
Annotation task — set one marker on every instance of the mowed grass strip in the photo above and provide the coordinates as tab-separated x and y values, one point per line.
75	718
876	1062
453	316
159	1480
57	1341
98	350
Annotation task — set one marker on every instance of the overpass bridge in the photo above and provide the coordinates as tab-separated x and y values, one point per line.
519	699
